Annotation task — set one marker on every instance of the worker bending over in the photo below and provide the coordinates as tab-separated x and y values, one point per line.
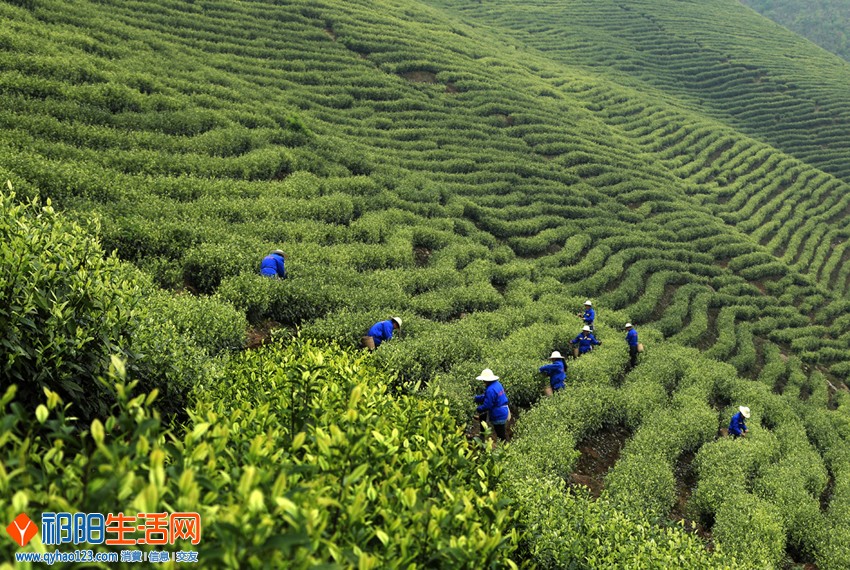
380	332
274	265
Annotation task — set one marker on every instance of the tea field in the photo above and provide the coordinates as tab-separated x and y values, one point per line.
479	168
824	22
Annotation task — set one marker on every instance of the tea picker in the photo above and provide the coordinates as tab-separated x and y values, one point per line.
585	341
274	265
494	403
634	345
556	371
737	427
589	315
380	332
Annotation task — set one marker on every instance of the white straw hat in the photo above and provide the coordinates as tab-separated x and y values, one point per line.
398	320
487	376
555	355
745	411
278	252
585	328
628	326
588	303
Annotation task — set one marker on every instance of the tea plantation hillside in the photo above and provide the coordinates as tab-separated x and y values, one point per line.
823	21
718	57
480	169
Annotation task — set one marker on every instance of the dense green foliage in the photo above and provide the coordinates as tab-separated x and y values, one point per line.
70	309
479	168
315	464
822	21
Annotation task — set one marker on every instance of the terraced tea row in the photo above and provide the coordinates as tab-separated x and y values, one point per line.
521	201
413	164
721	59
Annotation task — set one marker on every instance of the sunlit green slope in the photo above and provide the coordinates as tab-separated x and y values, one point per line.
482	175
718	57
385	129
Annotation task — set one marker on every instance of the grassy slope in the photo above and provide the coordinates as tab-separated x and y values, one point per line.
824	22
718	57
524	171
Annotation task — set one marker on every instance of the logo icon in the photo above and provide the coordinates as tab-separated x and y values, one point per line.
22	530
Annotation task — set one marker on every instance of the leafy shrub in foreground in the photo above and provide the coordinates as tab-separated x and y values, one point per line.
67	308
289	429
72	308
163	357
751	530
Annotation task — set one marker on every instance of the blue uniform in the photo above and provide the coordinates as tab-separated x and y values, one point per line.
631	337
585	343
737	425
589	316
494	402
381	331
273	266
556	372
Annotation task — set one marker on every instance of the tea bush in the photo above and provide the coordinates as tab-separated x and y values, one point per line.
207	264
782	486
834	552
68	308
565	528
751	530
642	482
71	308
208	322
308	294
480	210
251	293
399	481
542	444
727	467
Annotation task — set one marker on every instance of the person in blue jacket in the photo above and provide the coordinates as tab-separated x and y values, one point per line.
585	340
273	265
632	341
493	402
557	371
737	427
589	315
383	330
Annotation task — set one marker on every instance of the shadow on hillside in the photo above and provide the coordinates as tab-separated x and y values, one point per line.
686	482
599	452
